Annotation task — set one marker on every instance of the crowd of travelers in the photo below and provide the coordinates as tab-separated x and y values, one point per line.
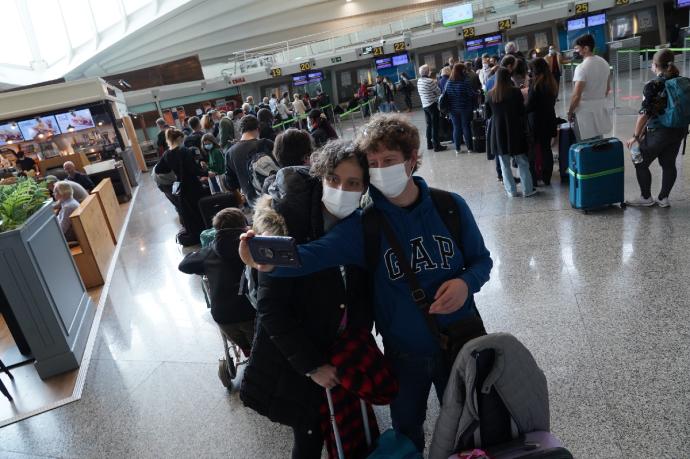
377	245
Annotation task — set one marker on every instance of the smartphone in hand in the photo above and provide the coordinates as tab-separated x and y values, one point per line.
275	250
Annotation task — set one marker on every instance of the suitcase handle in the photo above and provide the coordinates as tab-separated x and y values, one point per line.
600	144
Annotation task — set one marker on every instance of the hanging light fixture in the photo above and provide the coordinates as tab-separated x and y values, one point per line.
14	125
100	123
40	136
70	128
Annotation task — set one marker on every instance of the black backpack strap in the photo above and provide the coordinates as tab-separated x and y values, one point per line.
418	294
371	226
447	208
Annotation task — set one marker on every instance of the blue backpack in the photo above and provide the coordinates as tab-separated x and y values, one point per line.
677	113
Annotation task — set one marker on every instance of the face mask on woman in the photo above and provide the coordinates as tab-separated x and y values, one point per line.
390	181
208	146
552	51
340	203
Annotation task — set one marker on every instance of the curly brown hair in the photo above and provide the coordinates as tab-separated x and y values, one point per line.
327	158
392	131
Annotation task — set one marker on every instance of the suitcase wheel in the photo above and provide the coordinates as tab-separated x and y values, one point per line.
623	205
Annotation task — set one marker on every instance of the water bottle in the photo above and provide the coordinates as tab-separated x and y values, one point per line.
636	154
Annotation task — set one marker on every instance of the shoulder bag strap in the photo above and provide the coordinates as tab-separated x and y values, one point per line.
418	294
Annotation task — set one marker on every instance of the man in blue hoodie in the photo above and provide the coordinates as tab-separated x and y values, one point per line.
447	273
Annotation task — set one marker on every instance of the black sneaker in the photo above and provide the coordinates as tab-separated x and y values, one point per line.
441	148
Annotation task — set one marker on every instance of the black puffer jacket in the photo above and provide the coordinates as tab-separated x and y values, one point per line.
222	264
298	318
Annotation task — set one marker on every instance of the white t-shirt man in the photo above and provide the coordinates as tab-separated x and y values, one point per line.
594	72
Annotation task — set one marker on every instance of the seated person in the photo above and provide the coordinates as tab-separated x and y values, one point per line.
78	191
64	195
73	175
25	164
221	263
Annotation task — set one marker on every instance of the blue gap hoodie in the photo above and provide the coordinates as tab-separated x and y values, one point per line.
434	257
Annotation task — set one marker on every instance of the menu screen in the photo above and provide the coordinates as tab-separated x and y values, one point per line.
76	119
10	133
45	126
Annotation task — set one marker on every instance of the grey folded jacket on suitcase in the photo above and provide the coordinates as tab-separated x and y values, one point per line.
516	377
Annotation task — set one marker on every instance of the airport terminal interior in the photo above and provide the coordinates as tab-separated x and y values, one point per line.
111	351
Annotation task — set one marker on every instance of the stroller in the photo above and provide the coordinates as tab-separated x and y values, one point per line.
227	366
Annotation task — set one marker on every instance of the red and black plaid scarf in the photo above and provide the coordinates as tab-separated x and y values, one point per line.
364	374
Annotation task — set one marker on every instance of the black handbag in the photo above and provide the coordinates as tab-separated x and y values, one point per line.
444	101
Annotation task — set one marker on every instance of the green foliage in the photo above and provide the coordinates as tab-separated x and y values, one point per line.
19	201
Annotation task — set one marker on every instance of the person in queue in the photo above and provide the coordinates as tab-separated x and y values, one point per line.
252	106
506	108
62	191
449	273
298	108
193	140
555	63
212	150
79	193
541	116
299	319
445	76
181	160
239	157
592	84
320	128
508	62
429	93
463	101
161	143
207	123
265	118
655	140
226	131
406	87
485	70
73	175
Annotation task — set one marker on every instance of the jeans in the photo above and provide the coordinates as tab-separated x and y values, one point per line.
415	376
523	169
383	107
431	115
664	144
462	127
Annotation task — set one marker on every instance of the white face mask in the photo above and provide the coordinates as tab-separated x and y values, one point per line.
390	181
340	203
552	51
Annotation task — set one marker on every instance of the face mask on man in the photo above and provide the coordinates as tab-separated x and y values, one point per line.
208	146
340	203
485	65
552	51
576	55
390	181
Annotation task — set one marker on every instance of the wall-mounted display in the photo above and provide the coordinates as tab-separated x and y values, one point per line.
9	133
457	14
596	19
682	3
383	62
401	59
493	40
39	127
474	45
299	80
576	24
75	120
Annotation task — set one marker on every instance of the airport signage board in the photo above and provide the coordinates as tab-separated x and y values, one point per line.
505	24
276	72
582	8
468	32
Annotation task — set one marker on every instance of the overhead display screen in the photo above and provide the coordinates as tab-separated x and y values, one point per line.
75	119
384	63
45	126
315	77
401	59
596	19
474	45
458	14
9	133
576	24
493	40
682	3
300	80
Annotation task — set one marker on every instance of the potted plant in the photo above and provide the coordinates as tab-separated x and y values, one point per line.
39	279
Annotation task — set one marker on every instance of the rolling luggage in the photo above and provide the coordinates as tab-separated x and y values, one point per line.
445	129
478	127
210	205
565	140
596	169
496	426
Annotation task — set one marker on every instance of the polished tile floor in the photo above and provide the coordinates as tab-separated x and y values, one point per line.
600	299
